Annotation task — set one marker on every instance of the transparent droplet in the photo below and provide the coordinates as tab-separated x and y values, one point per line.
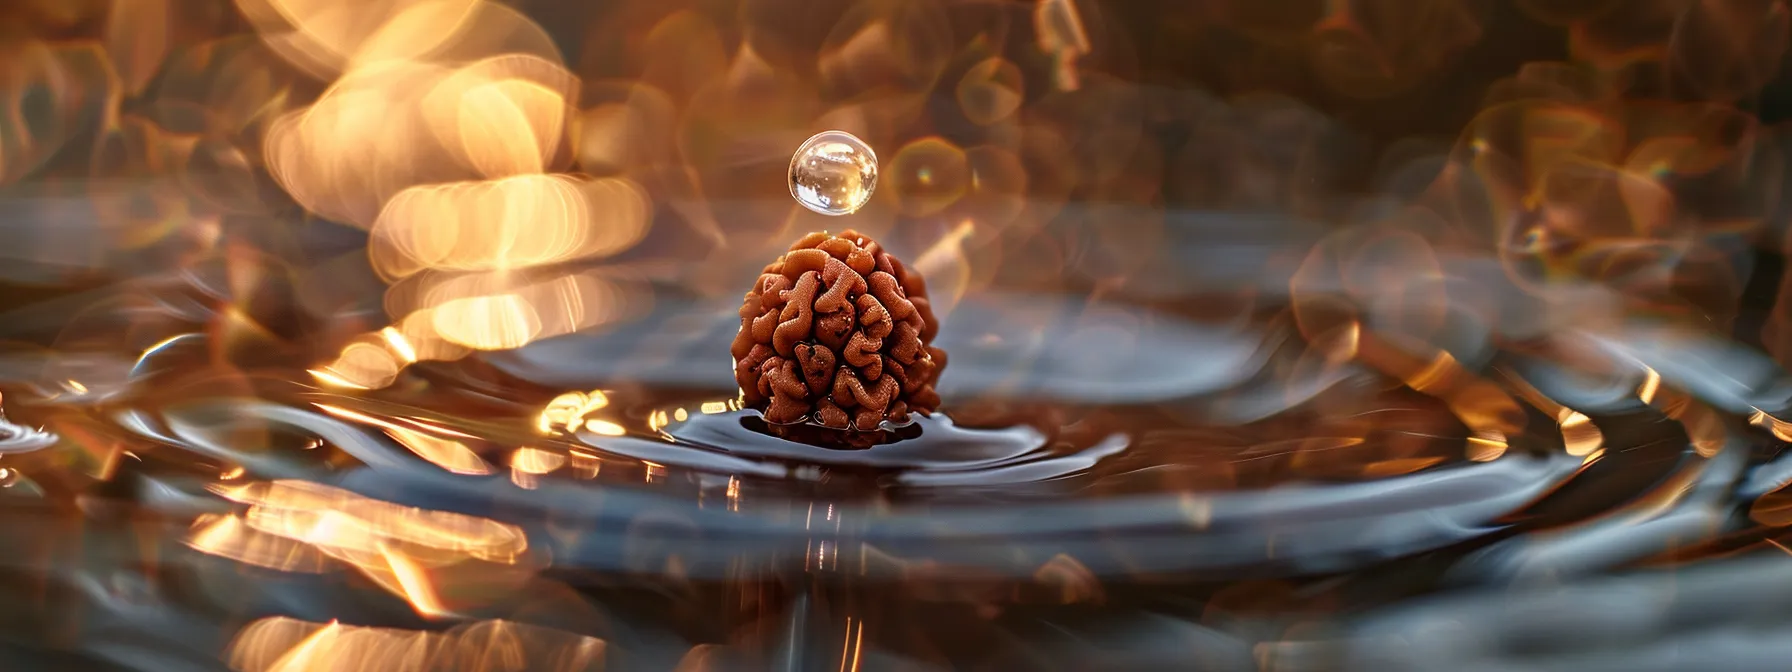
833	173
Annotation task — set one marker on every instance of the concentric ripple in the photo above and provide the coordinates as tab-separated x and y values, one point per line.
1267	477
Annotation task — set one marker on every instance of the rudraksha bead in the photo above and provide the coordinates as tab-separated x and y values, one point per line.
838	333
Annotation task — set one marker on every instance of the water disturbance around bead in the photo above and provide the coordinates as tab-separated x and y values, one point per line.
833	173
837	333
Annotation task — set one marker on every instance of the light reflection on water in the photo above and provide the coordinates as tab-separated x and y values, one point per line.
431	504
1285	335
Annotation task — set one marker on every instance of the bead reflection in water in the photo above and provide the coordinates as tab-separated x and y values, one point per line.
833	173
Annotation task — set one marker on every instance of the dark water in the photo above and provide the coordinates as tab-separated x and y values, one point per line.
1071	508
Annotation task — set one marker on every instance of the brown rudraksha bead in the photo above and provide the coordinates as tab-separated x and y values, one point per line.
838	333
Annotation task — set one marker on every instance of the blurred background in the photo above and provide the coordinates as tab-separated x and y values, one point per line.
1284	335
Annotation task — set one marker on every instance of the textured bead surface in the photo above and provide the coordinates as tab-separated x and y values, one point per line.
838	333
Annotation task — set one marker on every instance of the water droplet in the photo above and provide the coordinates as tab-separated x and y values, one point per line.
833	173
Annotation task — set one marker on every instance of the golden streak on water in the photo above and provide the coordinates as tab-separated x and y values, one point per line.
334	380
568	410
437	561
283	644
1781	429
1486	447
605	427
449	454
528	464
833	173
400	345
536	461
1580	437
1650	385
412	579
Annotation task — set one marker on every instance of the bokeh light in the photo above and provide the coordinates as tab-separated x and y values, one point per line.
1323	303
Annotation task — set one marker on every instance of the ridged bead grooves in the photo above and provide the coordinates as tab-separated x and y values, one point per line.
838	333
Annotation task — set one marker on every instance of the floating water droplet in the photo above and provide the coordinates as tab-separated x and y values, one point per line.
833	173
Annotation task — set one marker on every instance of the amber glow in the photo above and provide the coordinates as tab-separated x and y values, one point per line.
412	553
568	412
1326	284
445	133
281	644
